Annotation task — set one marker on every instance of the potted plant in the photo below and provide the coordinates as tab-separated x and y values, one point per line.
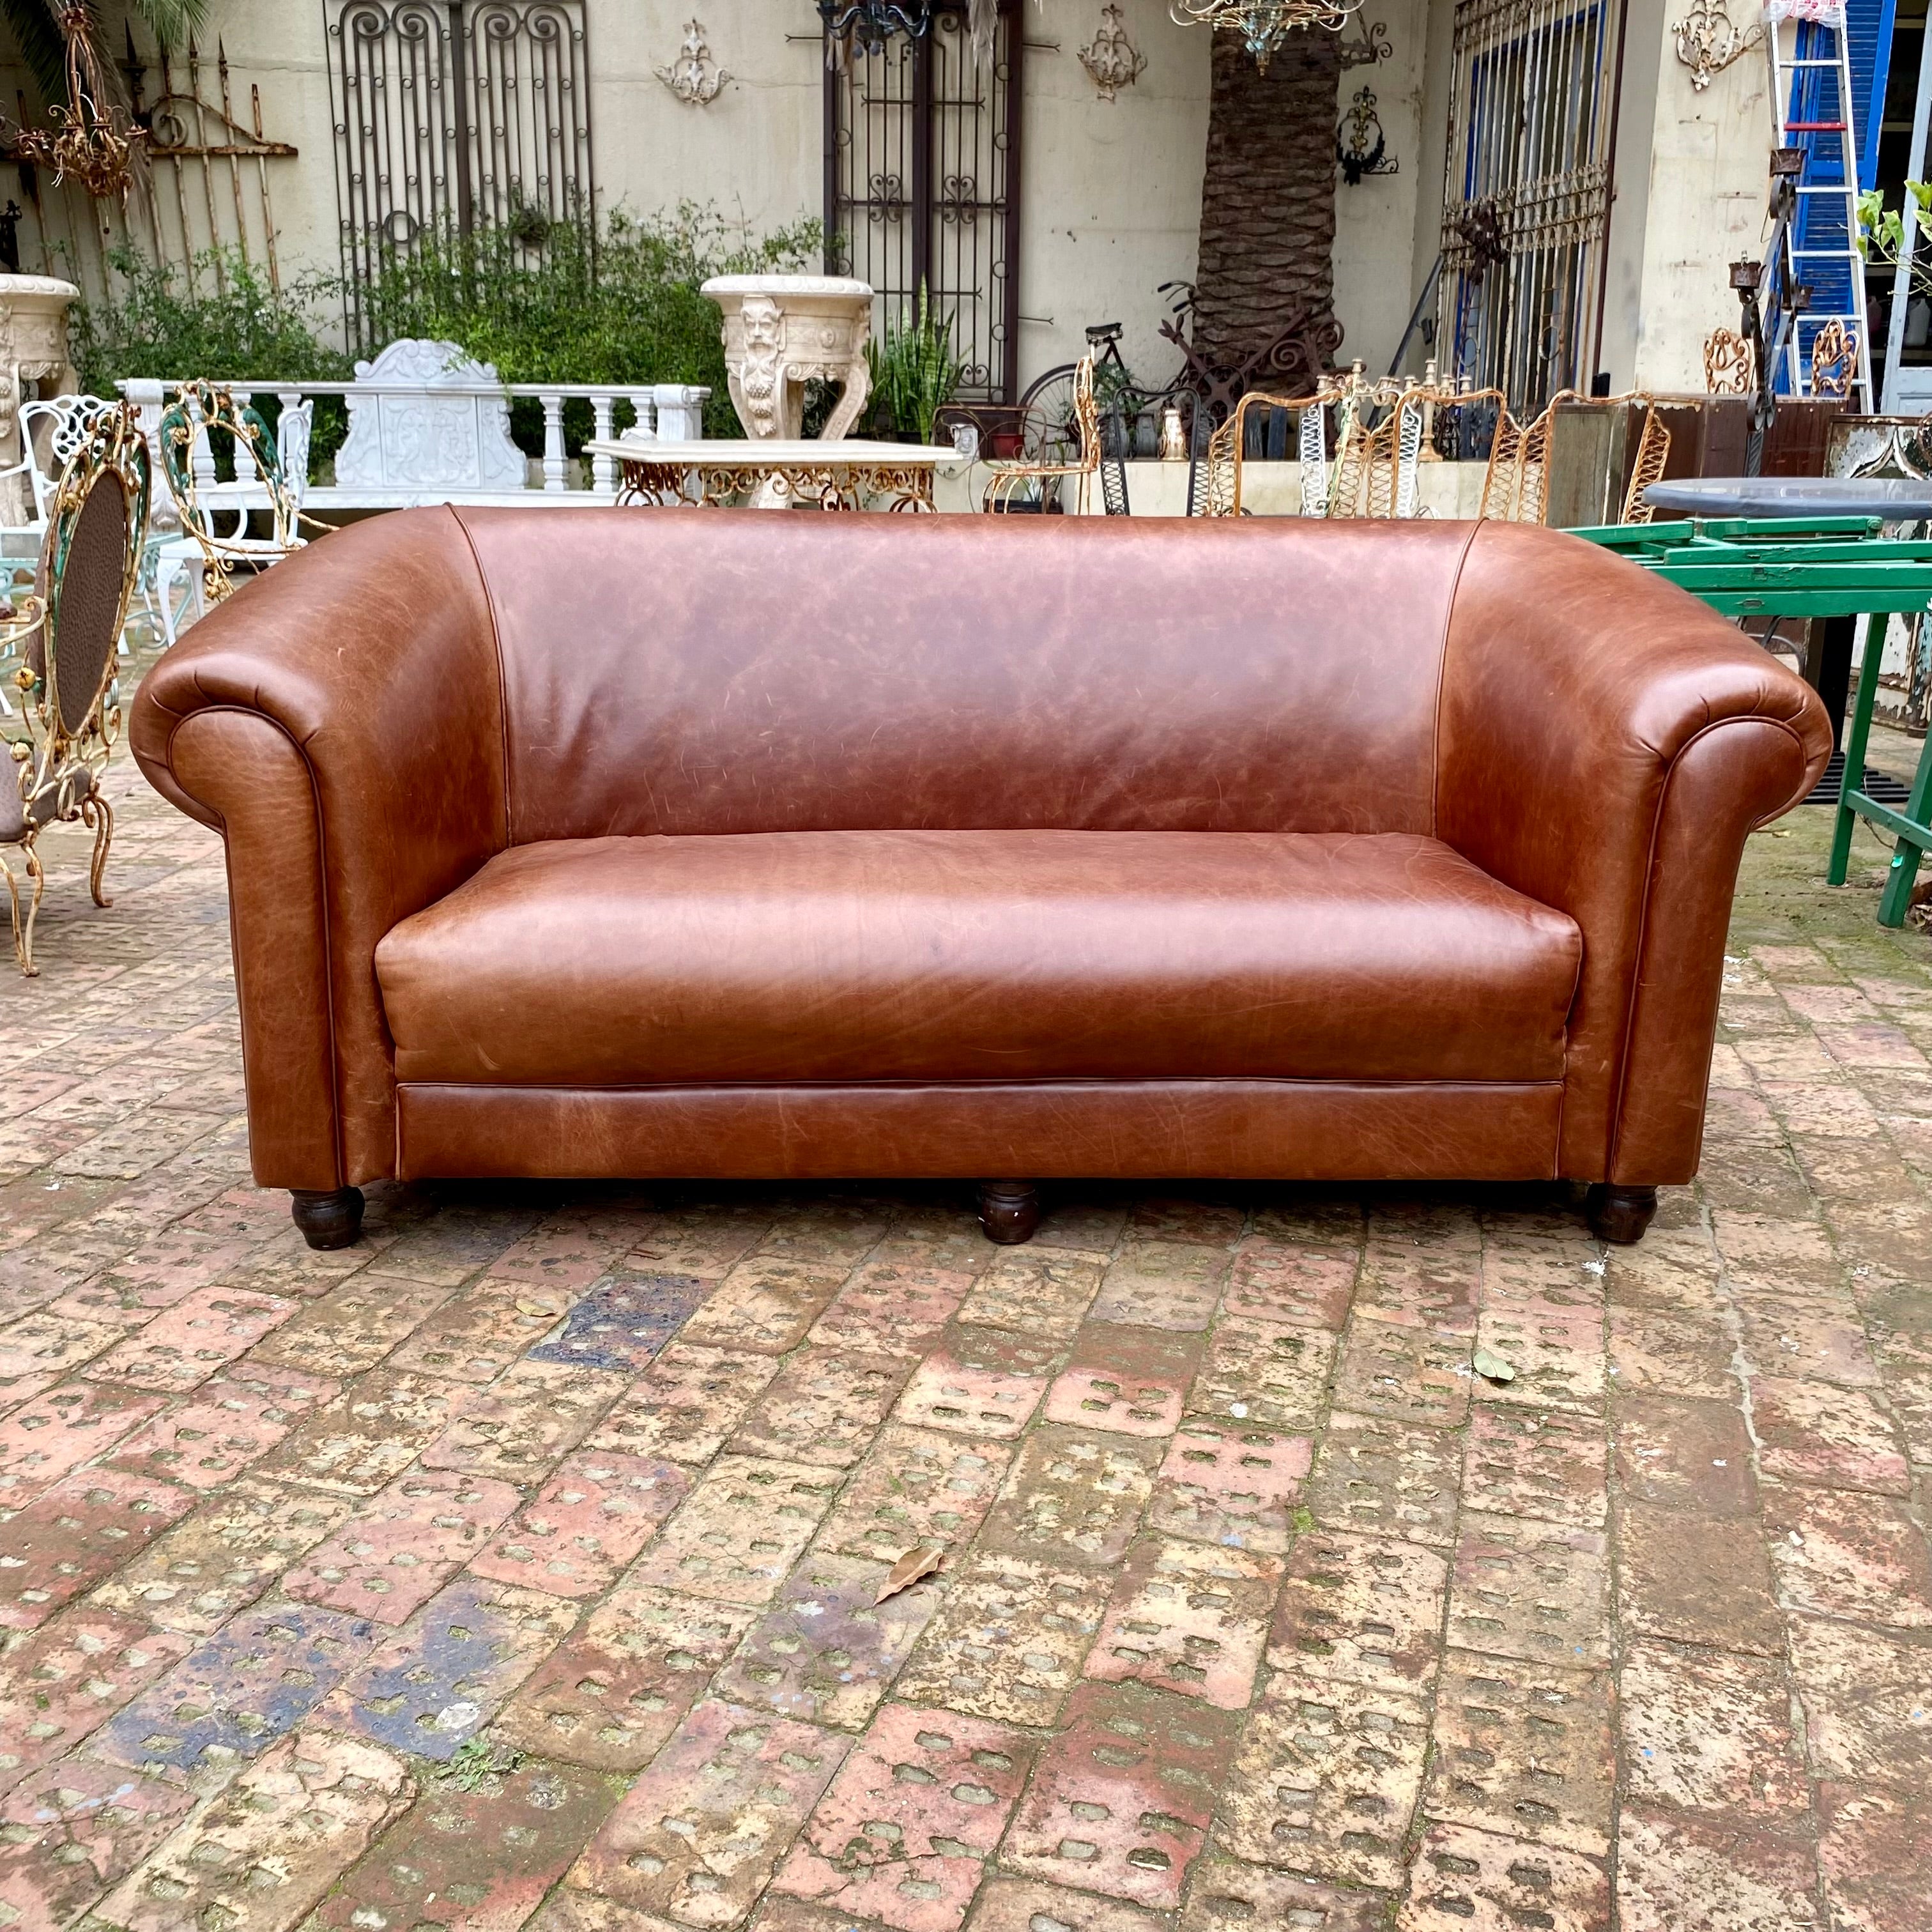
914	374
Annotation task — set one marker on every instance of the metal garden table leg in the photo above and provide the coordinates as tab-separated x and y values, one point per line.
1855	739
1831	674
1897	898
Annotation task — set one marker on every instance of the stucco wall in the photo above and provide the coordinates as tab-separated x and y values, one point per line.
1375	220
1704	204
1111	203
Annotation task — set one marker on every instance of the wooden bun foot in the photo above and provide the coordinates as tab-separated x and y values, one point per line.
328	1218
1619	1214
1008	1210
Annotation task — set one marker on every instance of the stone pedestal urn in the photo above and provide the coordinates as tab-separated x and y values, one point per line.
33	347
782	331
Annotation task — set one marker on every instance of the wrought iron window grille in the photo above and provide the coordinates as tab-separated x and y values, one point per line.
922	183
455	116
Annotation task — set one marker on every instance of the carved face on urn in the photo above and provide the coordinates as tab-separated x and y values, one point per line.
762	332
762	323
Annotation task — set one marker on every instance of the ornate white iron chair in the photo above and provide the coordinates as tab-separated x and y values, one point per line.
1028	484
97	528
266	477
52	430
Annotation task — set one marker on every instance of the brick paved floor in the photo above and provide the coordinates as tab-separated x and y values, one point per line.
518	1567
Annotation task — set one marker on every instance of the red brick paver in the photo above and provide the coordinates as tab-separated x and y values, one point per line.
518	1567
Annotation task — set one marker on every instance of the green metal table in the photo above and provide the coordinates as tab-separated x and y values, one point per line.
1819	566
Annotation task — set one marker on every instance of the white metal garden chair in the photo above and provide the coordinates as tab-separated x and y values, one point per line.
53	429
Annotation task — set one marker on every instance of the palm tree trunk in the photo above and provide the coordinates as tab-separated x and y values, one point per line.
1267	202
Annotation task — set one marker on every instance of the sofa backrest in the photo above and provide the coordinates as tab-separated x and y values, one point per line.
715	671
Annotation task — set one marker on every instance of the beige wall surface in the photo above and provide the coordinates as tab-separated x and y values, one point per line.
1378	219
1705	207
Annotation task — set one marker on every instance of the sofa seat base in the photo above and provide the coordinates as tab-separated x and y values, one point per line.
790	958
1133	1129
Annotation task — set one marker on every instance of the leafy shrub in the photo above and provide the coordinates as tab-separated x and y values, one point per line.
221	320
218	318
615	301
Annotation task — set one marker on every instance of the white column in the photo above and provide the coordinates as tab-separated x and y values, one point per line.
602	475
553	455
680	411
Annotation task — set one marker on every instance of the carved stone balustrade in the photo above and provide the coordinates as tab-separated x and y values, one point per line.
429	425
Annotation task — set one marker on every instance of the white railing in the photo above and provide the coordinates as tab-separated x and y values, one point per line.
447	438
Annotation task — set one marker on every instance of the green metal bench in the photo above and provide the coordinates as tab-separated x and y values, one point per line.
1825	567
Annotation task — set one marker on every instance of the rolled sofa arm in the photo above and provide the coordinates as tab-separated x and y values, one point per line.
339	722
1605	743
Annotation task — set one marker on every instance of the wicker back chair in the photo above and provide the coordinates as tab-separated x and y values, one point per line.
1653	452
1514	485
1029	485
96	527
1515	488
1232	443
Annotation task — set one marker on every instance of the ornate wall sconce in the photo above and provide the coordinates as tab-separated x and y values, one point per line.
1359	145
1708	40
694	76
1110	57
1370	44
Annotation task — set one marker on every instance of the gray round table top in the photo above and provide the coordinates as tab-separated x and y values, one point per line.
1897	499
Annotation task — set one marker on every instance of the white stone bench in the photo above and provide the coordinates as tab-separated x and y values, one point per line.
427	425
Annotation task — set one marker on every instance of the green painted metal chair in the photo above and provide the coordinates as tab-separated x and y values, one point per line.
269	475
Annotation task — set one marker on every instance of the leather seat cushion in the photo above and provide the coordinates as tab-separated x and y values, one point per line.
980	955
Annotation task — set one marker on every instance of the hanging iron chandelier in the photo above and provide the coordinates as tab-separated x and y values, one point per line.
869	24
1264	25
89	138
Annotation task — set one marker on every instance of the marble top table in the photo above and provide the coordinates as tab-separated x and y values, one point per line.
842	475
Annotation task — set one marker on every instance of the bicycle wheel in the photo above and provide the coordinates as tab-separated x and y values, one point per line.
1051	430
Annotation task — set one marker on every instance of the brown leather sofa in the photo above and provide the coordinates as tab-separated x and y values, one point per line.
654	843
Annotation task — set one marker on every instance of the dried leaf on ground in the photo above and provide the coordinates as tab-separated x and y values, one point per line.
921	1560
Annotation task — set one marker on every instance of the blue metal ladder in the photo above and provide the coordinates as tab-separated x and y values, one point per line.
1814	90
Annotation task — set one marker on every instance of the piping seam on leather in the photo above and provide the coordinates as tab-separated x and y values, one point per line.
336	1135
1442	682
1628	1030
1095	1082
1569	1013
503	684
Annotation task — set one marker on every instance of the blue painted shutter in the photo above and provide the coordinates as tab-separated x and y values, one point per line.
1868	38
